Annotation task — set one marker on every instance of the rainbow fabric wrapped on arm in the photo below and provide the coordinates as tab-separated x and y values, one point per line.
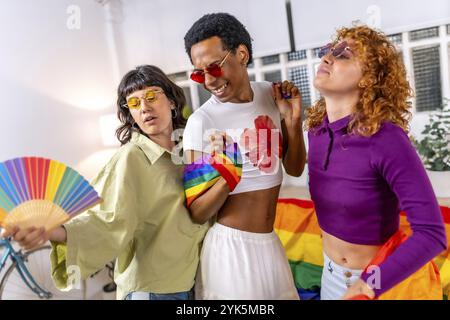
202	174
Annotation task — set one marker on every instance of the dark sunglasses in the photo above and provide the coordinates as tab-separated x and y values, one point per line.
214	69
341	50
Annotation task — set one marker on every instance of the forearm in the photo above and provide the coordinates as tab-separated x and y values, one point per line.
209	204
295	156
90	243
409	257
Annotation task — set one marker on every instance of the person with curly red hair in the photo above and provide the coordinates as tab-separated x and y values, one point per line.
363	171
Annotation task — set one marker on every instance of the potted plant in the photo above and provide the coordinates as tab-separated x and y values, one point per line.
434	149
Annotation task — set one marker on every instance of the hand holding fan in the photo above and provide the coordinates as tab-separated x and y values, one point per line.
38	192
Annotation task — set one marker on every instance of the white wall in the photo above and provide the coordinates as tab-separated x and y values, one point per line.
58	81
391	16
55	82
155	29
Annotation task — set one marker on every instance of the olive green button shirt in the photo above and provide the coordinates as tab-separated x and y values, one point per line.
142	222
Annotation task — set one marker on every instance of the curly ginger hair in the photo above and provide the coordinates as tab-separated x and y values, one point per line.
384	89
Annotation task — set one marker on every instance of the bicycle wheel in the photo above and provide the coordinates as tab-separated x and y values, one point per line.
37	261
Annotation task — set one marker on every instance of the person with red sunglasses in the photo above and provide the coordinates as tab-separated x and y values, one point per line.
242	257
363	171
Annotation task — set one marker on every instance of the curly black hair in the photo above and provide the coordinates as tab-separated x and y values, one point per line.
223	25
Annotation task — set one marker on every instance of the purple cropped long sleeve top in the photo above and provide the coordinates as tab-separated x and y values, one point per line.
360	184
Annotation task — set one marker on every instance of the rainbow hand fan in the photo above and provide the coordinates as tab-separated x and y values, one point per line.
38	192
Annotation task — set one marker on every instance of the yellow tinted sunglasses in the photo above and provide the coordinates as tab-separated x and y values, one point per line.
149	97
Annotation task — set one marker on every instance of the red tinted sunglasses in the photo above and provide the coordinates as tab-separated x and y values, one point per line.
214	69
340	50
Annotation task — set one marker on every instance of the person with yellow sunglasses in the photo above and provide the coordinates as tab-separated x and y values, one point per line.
142	223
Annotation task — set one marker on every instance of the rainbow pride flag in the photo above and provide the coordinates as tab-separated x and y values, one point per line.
424	284
203	174
298	229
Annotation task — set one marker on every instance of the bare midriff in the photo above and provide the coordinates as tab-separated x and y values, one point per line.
346	254
250	211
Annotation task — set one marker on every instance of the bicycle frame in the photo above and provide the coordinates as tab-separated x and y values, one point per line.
18	258
3	243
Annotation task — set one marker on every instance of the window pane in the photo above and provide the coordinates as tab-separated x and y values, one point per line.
297	55
315	52
427	76
299	76
270	59
273	76
395	38
424	33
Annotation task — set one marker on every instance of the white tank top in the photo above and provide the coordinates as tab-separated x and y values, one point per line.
243	122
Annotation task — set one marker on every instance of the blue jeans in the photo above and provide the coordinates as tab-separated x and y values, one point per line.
139	295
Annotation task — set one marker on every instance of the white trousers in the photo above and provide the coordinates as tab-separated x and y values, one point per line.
336	279
242	265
